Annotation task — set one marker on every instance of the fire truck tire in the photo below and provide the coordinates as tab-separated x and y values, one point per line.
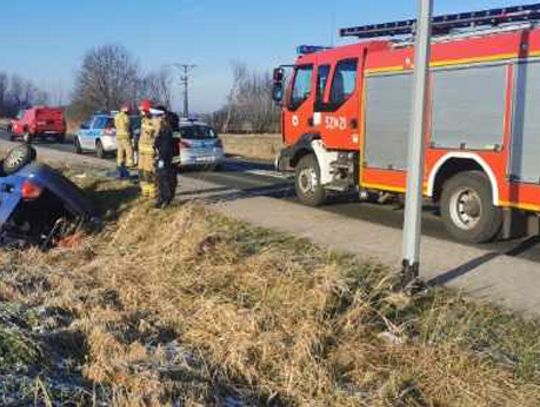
467	208
308	182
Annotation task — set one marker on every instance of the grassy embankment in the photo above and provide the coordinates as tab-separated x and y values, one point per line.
189	305
3	123
252	146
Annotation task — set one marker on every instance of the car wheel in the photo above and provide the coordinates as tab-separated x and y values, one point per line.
308	182
100	151
61	138
17	158
467	208
77	145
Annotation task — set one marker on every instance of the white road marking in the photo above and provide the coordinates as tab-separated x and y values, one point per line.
268	173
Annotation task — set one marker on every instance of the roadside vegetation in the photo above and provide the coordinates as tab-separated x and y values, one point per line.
187	305
252	146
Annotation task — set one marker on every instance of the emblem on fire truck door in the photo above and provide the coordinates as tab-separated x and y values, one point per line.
295	121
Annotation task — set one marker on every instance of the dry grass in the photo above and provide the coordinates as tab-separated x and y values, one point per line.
259	147
4	123
186	305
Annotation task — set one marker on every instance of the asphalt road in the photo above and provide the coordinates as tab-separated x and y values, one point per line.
258	178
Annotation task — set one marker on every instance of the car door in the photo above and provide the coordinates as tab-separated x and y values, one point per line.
87	135
338	113
298	112
97	129
82	134
17	123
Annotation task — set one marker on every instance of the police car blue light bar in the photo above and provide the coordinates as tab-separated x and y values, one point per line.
443	25
310	49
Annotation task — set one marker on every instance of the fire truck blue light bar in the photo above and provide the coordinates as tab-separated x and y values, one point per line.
310	49
443	25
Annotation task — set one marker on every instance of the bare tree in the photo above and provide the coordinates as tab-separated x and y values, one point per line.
240	73
157	86
17	93
58	94
249	105
4	83
107	79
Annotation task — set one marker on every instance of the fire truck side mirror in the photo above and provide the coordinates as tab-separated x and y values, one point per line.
277	89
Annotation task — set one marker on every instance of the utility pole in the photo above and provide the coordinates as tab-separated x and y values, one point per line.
416	158
185	70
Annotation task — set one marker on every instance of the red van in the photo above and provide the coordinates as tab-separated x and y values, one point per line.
39	122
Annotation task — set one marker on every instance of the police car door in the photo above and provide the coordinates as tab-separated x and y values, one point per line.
84	133
95	131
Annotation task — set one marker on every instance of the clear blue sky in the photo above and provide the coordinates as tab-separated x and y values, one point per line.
45	40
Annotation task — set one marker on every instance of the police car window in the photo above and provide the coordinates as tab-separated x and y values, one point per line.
322	79
197	132
99	123
302	86
344	82
95	122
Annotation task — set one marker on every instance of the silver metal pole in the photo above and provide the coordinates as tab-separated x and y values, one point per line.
415	173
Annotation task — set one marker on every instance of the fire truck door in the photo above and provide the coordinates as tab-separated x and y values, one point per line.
298	113
337	115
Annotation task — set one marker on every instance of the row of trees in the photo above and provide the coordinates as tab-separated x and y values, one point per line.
249	107
110	76
17	93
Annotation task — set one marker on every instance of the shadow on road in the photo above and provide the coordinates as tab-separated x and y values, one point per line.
279	191
521	248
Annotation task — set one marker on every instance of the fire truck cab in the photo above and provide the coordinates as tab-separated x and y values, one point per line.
346	112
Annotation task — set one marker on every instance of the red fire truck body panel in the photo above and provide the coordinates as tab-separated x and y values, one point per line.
343	127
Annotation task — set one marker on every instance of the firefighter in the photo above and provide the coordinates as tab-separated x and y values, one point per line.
124	154
164	146
147	170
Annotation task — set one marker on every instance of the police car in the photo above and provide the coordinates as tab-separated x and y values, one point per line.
199	145
98	134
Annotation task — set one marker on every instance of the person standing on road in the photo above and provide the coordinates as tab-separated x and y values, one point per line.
147	169
124	154
164	147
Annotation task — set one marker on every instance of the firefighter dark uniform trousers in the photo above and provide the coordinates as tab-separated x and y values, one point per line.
124	156
147	157
165	172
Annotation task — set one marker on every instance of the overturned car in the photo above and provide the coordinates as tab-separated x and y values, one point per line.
38	205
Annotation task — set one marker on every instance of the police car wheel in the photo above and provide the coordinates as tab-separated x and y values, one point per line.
100	151
77	145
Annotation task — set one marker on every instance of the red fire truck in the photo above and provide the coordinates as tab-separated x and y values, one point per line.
346	112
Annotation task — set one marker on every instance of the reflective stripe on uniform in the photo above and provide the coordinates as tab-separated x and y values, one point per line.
145	149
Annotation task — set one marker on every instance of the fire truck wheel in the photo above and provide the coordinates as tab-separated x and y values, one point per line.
308	182
467	208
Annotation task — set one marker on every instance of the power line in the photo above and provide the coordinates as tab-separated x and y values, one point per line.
185	71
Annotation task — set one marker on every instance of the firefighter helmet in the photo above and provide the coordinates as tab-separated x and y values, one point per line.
146	105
